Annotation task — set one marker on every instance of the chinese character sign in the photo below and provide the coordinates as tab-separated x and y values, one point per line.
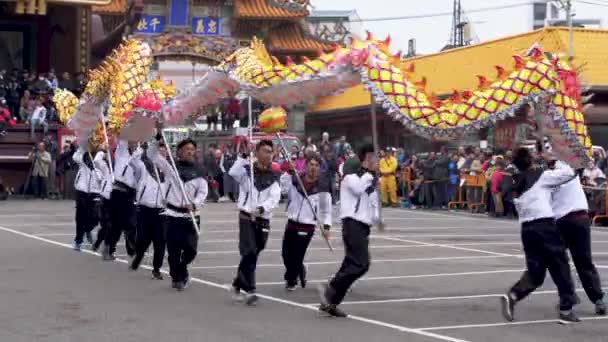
150	24
205	26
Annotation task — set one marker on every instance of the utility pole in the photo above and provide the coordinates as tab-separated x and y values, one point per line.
567	6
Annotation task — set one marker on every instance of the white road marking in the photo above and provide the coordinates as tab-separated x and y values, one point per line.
502	324
414	276
433	235
432	299
450	247
267	297
373	261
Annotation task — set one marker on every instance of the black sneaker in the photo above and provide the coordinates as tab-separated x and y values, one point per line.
180	285
323	289
89	237
303	276
568	317
135	263
106	255
290	288
600	308
508	307
251	298
236	294
157	275
332	310
186	282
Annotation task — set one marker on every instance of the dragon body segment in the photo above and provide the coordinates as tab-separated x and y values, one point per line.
548	82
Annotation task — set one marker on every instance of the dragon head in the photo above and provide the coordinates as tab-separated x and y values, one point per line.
568	77
371	51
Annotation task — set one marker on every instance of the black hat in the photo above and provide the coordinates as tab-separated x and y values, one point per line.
186	142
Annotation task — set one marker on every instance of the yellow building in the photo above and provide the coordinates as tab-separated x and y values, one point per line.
458	69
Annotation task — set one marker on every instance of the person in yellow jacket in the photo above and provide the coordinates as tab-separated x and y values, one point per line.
388	181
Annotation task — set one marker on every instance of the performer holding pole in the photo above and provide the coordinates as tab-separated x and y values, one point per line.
543	246
570	208
359	210
103	165
186	192
304	200
254	224
87	184
298	180
122	201
150	190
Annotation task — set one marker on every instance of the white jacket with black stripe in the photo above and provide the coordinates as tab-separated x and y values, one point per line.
359	198
150	187
194	182
266	192
299	210
123	170
88	179
534	201
106	176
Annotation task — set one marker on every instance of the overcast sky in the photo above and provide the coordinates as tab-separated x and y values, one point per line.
432	34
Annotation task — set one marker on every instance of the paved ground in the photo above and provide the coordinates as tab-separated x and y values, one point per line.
434	277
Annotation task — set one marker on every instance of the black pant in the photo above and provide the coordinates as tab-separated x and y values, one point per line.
122	216
253	236
439	193
40	186
82	215
544	250
150	229
104	221
355	236
295	244
576	233
87	216
182	245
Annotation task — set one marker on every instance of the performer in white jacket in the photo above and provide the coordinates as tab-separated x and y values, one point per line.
88	186
150	191
543	246
255	211
358	211
571	209
102	164
122	201
182	239
302	218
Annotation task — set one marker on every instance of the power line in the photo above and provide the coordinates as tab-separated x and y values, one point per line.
443	14
601	3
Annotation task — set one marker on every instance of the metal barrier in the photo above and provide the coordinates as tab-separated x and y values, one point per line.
470	182
597	201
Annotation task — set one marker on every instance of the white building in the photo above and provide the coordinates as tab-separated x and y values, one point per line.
335	25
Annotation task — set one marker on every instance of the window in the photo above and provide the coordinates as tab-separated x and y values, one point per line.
554	11
540	11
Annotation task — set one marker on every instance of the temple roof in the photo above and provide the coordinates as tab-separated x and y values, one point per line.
270	9
114	7
293	38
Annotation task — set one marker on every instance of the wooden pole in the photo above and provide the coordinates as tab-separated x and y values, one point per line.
381	225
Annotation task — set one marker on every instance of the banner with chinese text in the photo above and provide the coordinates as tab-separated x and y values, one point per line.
151	24
206	26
